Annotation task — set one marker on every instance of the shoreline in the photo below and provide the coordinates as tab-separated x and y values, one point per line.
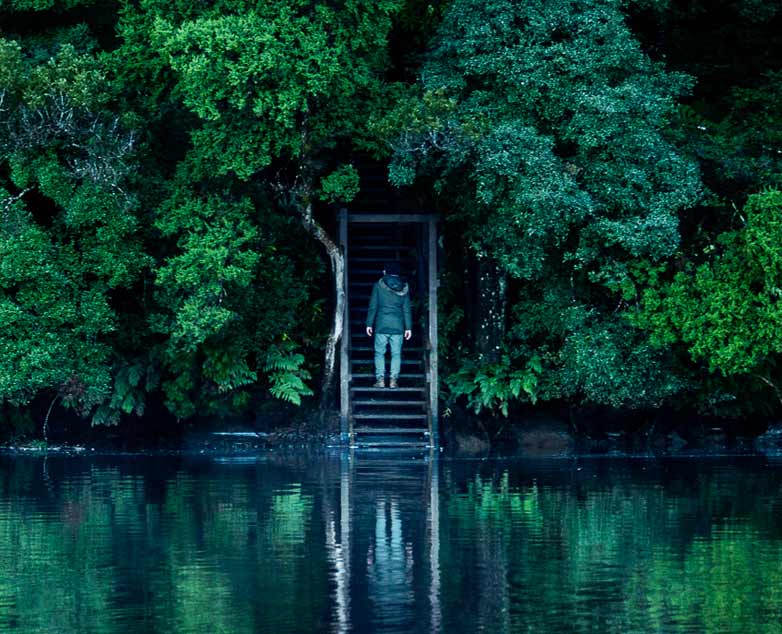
538	436
227	447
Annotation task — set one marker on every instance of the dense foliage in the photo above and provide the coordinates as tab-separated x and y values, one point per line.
544	123
608	174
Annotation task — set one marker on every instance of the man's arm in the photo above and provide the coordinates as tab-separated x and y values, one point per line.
406	313
372	310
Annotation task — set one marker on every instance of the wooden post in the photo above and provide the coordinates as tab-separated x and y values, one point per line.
432	287
344	363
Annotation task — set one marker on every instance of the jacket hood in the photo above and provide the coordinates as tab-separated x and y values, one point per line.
394	284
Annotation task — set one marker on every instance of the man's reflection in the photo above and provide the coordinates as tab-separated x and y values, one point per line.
390	568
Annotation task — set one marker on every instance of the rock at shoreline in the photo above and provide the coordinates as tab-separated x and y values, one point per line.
771	441
466	444
544	438
675	442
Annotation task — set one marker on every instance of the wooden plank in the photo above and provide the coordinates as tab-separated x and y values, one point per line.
397	445
433	284
389	416
344	364
402	375
388	402
405	349
371	360
382	247
389	218
384	389
392	430
379	259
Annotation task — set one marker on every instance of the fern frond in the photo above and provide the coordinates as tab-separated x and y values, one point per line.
286	373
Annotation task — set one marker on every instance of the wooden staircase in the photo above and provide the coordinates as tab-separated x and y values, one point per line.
402	417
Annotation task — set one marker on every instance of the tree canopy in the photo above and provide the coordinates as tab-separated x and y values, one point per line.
609	191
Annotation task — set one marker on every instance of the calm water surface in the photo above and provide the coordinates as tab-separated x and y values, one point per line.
371	544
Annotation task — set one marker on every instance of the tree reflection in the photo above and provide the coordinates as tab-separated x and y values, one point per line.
613	555
352	545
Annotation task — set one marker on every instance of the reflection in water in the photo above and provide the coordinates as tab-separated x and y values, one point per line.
390	568
339	555
433	534
363	543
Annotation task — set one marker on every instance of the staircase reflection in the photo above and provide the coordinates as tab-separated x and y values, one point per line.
384	578
339	553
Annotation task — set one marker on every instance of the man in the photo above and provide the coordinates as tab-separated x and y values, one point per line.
388	319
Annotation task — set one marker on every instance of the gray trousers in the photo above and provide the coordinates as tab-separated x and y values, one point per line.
381	342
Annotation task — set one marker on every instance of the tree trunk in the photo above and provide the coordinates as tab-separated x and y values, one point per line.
337	261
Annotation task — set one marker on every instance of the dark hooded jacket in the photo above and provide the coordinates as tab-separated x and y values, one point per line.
389	306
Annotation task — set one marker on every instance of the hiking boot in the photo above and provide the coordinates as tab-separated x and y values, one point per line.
381	382
392	383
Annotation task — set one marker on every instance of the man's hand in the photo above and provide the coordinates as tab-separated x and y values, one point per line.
369	331
408	334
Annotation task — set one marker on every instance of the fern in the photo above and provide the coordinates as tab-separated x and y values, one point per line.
287	375
495	386
228	368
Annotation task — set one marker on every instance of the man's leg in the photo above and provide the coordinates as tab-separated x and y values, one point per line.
381	342
396	358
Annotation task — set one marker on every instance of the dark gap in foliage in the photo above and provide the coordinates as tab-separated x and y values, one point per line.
720	46
168	137
411	36
101	19
43	210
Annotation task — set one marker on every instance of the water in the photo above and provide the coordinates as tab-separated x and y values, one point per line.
371	544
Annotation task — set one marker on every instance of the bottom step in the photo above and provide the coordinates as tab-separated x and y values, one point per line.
378	444
391	430
390	437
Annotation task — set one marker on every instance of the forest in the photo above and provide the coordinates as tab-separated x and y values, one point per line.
608	175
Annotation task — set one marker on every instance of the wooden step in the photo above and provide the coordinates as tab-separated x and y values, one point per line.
416	340
390	416
402	375
369	271
359	322
367	361
378	244
377	259
359	329
385	389
391	430
383	403
397	445
380	248
372	349
369	357
383	235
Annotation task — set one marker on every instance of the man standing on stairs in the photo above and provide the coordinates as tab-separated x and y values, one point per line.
388	319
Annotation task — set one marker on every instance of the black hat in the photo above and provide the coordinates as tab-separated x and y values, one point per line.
393	268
